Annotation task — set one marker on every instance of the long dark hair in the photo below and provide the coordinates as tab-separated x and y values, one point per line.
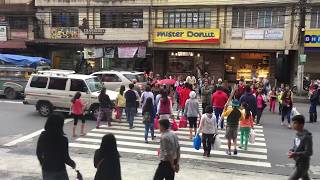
148	106
247	110
108	147
164	95
122	89
76	96
54	124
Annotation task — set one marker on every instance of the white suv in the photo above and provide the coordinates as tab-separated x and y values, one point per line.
54	89
112	80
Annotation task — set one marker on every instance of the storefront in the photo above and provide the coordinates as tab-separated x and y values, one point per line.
312	51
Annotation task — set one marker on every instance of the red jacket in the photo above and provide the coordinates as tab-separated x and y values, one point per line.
219	99
184	96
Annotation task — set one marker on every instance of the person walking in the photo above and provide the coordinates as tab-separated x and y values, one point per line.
164	109
145	95
205	96
149	114
261	104
131	99
53	151
249	99
209	130
302	149
121	101
246	124
280	93
77	111
314	100
105	108
219	99
184	96
169	153
273	99
106	159
192	112
234	115
287	104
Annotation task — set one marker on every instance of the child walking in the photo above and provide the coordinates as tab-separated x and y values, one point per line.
246	124
77	111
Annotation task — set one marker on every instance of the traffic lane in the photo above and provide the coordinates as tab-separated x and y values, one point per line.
279	141
18	120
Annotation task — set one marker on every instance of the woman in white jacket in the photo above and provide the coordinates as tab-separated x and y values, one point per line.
208	128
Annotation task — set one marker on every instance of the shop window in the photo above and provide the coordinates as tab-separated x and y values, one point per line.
78	85
18	23
57	83
62	18
315	17
190	18
110	78
129	19
38	82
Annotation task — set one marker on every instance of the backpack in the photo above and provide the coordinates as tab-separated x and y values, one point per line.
146	118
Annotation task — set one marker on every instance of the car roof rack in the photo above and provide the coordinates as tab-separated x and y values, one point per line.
56	72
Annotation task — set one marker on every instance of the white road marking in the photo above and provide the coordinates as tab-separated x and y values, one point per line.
29	136
11	102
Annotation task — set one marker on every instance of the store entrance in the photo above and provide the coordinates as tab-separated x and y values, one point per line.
184	63
247	66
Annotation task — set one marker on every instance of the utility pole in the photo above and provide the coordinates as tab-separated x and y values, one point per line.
300	73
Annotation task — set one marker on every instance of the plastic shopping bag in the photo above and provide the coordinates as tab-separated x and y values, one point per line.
217	142
117	113
174	125
156	122
182	122
197	142
252	136
294	112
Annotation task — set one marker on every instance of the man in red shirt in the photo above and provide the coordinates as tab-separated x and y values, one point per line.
219	100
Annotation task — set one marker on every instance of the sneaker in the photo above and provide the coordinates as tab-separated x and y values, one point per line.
228	152
235	152
240	147
282	124
258	124
289	126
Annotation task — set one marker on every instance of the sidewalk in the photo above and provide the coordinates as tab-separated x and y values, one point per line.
26	167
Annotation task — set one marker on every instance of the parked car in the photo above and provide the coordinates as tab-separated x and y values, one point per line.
112	80
54	89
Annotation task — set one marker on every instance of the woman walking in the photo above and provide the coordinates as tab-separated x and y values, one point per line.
246	123
106	159
164	109
52	149
192	112
105	108
261	104
121	101
205	96
145	95
273	99
287	104
208	128
149	114
77	111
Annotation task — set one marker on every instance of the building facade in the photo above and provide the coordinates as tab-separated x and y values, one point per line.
228	39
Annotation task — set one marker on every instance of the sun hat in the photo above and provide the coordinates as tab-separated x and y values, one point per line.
235	103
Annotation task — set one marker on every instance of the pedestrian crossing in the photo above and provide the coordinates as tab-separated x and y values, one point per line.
132	141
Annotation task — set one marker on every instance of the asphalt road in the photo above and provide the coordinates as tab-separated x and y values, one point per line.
18	120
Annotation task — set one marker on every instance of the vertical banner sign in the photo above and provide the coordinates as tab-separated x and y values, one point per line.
3	33
109	52
127	52
142	52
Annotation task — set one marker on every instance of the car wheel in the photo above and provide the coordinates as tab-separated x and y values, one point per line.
10	93
44	109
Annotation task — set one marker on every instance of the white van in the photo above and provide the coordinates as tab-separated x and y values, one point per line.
54	89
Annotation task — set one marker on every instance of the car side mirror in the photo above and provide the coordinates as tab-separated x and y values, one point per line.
86	90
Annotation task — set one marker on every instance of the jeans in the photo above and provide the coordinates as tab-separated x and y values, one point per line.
130	111
286	112
62	175
218	113
244	136
104	114
259	114
164	171
207	140
301	171
148	126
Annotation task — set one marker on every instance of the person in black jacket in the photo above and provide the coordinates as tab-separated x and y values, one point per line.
106	159
105	108
249	99
131	105
52	149
314	100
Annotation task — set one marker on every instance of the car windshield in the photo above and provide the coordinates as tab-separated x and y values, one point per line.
94	84
138	77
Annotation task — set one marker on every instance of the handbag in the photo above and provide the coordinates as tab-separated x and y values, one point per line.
174	125
117	112
216	142
183	122
197	142
252	137
156	123
146	118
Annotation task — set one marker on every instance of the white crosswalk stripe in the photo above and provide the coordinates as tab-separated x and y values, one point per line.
132	141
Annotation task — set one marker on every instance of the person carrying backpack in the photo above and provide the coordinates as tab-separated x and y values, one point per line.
246	124
149	114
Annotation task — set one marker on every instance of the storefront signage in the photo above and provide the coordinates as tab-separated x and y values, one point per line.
127	52
92	53
254	34
3	33
186	36
142	52
273	34
236	33
94	31
312	38
64	33
19	35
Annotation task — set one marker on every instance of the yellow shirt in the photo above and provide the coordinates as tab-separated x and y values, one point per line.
121	101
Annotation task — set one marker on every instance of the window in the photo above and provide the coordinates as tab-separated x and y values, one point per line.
18	23
110	78
190	18
78	85
39	82
258	17
57	83
138	77
65	18
121	19
315	17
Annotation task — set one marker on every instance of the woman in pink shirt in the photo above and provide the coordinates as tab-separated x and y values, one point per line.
261	104
77	111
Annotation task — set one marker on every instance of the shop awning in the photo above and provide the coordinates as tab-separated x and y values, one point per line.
20	60
12	45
